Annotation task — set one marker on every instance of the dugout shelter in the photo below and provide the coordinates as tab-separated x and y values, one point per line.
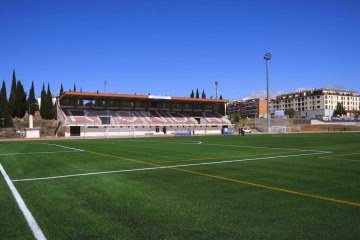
88	114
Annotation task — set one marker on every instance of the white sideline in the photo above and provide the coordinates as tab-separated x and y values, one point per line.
38	234
166	167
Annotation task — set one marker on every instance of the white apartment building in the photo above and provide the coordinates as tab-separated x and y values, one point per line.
316	103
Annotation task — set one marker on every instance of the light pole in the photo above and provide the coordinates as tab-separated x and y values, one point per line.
31	105
216	85
31	123
267	57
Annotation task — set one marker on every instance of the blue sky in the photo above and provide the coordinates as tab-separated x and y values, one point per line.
173	47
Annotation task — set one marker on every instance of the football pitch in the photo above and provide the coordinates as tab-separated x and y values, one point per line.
286	186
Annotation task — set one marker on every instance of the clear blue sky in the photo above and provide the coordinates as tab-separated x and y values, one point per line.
172	47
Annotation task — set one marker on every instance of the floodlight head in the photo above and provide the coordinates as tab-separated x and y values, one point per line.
267	56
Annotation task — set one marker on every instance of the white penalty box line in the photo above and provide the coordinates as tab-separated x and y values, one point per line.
70	149
169	167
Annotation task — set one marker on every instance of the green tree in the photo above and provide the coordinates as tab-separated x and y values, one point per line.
12	98
203	95
3	103
74	88
237	117
197	93
61	89
43	112
20	103
50	109
63	102
31	100
192	94
290	112
7	119
340	110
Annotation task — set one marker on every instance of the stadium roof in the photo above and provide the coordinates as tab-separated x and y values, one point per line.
134	97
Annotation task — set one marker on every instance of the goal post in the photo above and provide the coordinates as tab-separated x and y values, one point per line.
120	132
280	129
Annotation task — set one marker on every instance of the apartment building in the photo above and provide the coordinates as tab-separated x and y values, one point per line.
251	108
316	103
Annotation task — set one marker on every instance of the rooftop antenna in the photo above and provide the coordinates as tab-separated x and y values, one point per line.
216	85
105	82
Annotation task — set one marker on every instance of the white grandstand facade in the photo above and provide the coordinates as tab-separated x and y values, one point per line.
114	115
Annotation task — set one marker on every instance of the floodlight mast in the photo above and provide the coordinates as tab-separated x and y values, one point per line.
267	57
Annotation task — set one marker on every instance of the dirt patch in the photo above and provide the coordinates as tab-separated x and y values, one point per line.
323	128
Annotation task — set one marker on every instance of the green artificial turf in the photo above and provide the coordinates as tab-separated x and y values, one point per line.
289	186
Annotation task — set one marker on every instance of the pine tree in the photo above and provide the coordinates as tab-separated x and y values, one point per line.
340	110
31	100
3	103
20	104
12	99
43	112
192	94
197	93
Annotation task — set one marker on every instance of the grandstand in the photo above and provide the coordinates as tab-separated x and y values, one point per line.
103	115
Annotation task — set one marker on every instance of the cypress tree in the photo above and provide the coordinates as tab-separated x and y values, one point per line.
3	103
62	101
12	99
74	88
203	95
20	104
49	104
43	112
7	119
192	94
31	100
197	93
61	89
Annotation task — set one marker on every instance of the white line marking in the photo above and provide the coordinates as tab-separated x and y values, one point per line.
56	145
164	167
237	146
179	142
292	149
10	154
38	234
61	146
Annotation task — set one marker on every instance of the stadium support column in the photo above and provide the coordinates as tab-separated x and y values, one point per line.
267	57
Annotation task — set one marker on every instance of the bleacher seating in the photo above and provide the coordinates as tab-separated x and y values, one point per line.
84	115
